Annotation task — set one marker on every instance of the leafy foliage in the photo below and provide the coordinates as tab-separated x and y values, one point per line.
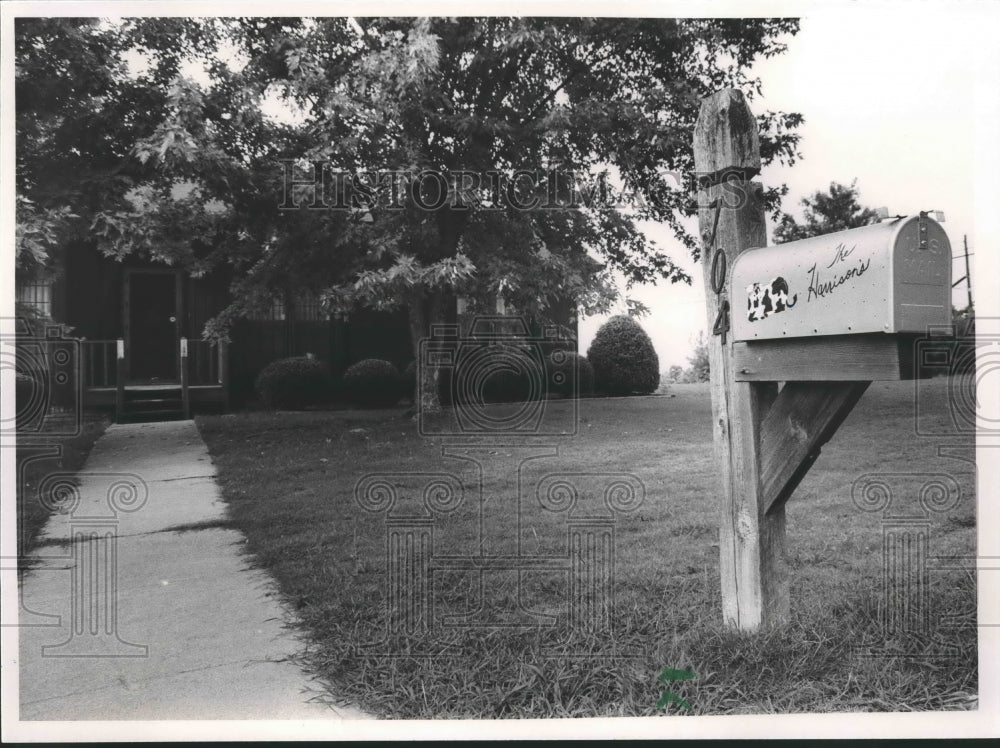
835	210
571	374
623	358
700	370
964	321
506	372
24	387
36	234
79	113
292	383
192	171
372	383
673	375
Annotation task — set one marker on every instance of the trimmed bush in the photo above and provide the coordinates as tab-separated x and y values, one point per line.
408	380
624	359
572	376
292	383
510	386
24	388
586	375
500	374
372	383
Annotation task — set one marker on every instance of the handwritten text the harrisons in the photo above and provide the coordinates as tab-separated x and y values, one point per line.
842	254
822	285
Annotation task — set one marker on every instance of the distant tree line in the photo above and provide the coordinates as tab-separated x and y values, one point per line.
698	368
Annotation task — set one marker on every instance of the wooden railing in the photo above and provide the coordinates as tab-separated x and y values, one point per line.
204	362
120	388
185	376
100	364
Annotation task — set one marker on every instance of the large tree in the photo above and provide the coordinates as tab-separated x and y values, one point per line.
532	100
67	89
80	110
837	209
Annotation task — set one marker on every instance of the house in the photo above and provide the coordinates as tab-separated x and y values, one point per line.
139	328
139	325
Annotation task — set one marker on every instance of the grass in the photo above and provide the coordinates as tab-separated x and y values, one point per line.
289	480
33	510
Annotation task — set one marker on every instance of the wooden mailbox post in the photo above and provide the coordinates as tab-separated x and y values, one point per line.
826	316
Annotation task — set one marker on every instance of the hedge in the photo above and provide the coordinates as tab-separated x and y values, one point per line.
292	383
372	383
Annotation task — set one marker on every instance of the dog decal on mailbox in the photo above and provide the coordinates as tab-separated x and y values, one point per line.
765	300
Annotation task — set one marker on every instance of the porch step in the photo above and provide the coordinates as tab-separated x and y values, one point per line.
149	416
147	404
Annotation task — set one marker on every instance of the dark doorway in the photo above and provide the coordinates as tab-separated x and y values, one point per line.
153	331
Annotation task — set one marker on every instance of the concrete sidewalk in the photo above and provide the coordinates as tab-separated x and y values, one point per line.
142	621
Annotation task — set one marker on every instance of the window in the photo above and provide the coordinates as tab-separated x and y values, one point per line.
38	294
308	308
274	313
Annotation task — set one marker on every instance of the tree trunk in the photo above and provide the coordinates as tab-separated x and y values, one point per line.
426	308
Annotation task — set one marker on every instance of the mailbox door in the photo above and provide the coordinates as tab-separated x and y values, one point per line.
922	270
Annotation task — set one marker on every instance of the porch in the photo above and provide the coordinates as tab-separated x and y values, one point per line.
199	382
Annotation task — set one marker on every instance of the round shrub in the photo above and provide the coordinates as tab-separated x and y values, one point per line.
23	387
408	380
25	394
372	383
292	383
570	374
623	358
585	373
509	386
494	373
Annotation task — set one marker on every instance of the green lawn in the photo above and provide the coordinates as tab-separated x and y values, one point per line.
289	479
32	510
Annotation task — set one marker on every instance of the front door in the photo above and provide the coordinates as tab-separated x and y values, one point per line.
153	329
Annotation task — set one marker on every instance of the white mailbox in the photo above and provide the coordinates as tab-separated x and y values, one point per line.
892	277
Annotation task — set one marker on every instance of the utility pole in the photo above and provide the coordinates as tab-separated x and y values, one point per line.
968	276
968	284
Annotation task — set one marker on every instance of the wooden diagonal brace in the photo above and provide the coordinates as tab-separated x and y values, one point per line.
802	419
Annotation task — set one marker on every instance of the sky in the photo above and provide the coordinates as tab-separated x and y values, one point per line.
889	100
